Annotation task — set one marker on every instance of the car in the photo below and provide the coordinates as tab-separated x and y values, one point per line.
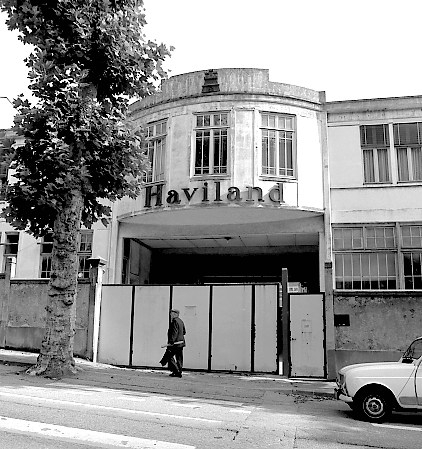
374	390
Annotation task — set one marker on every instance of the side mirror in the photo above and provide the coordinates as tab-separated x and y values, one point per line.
407	360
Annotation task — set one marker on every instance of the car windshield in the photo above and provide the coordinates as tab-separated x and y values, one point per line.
414	351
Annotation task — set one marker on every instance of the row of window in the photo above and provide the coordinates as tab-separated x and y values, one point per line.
211	144
378	149
378	257
11	248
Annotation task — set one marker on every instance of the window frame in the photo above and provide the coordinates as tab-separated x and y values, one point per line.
369	146
7	244
215	130
85	237
411	244
155	150
363	255
408	146
45	256
278	131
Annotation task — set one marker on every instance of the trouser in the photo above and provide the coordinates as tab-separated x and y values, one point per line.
176	359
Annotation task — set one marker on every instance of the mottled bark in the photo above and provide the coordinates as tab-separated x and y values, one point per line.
56	353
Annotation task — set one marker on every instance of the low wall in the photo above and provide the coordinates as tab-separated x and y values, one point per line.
375	326
24	325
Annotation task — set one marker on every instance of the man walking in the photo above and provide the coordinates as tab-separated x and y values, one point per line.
175	344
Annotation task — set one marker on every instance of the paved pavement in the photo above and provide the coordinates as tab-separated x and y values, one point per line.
218	385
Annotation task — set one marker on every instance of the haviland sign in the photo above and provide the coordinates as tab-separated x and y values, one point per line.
205	194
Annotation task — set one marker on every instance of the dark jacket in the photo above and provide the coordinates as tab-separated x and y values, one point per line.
176	332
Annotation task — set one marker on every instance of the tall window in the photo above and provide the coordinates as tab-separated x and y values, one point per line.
84	253
278	145
375	142
412	256
211	143
408	145
365	258
46	250
156	149
11	247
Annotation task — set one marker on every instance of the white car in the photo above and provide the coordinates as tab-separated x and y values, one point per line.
373	390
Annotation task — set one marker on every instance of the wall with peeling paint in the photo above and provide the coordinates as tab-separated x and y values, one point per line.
382	325
22	307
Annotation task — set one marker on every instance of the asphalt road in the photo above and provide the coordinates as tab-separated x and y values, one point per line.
72	414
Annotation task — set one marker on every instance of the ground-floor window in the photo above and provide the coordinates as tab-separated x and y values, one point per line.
84	253
369	257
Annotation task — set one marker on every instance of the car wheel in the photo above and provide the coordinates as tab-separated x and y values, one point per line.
373	406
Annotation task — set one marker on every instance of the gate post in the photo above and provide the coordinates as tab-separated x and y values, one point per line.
96	272
285	326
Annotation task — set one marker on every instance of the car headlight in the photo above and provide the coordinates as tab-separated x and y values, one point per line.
341	382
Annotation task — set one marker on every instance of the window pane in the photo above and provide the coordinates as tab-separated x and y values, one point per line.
383	166
220	151
265	149
202	152
402	164
338	238
271	121
406	134
368	166
357	241
338	265
374	135
417	164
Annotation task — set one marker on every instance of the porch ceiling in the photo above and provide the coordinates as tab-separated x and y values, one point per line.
233	241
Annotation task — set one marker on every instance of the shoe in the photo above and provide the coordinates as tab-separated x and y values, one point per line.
175	375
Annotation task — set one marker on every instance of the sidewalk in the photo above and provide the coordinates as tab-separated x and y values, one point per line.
216	385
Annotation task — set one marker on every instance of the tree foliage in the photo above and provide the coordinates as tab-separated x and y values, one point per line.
89	57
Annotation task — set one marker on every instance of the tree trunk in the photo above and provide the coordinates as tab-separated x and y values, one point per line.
56	353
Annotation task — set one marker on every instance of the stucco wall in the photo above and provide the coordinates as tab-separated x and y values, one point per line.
382	325
26	314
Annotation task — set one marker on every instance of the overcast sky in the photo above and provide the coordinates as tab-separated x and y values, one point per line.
350	49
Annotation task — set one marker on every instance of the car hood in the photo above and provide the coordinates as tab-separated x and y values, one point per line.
384	366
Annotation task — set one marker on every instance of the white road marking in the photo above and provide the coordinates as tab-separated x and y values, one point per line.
186	405
106	408
61	391
240	411
84	436
391	426
131	398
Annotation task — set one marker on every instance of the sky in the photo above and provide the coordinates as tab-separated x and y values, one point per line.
349	49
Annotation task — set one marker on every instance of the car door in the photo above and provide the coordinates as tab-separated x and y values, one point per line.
409	397
418	382
416	353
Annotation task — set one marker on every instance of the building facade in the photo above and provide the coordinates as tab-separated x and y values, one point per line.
249	177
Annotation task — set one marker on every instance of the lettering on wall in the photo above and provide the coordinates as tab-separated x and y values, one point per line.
154	195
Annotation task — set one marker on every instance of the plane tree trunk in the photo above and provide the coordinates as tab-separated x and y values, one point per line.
56	353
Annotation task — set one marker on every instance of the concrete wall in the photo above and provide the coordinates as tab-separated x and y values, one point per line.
382	325
25	301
